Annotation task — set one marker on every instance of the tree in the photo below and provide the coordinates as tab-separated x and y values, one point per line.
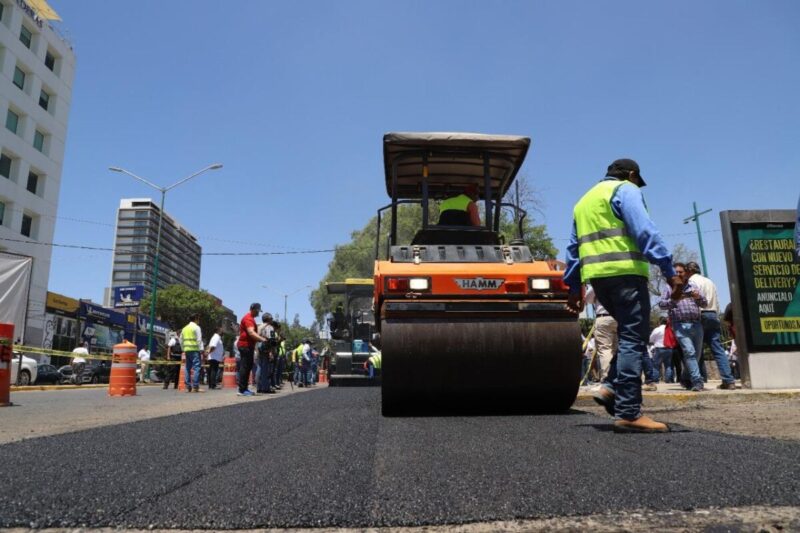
356	259
177	303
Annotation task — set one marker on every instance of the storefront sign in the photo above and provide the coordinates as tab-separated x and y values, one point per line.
770	282
58	302
129	296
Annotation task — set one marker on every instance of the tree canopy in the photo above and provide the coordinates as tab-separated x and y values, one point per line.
177	303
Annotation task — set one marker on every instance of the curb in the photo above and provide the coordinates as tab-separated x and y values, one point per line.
655	398
33	388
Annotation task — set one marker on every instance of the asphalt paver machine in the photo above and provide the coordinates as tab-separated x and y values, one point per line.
466	320
352	327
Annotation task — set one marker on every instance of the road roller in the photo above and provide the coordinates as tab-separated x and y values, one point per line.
467	321
352	326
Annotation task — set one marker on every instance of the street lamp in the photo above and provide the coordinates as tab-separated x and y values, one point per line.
696	219
286	299
163	191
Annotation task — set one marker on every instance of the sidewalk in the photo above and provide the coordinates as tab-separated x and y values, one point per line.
67	409
672	394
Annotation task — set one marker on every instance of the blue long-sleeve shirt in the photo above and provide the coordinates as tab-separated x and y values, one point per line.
628	205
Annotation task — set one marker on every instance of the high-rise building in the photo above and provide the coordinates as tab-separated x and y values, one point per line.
36	73
135	250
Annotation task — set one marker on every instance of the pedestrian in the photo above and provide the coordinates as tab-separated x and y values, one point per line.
248	337
280	362
79	362
266	356
192	342
216	354
605	332
612	240
305	367
662	356
589	355
144	363
712	328
733	357
684	314
174	352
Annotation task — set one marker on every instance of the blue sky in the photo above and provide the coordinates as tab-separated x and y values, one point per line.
294	97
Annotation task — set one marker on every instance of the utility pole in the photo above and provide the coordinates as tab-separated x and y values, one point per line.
696	219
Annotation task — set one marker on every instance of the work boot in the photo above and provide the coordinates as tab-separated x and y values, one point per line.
728	386
605	397
643	424
650	387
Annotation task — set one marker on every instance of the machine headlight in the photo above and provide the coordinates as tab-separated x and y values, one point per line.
540	284
418	284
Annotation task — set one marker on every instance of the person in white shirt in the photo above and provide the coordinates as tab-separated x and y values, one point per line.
605	333
144	363
81	350
216	354
712	330
661	354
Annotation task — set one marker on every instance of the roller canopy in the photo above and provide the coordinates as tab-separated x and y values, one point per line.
454	160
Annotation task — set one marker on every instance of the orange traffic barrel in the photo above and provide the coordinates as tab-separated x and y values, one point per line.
6	355
122	381
229	373
182	373
323	376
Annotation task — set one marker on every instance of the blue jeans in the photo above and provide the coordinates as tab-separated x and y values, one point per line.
711	336
650	372
192	363
690	337
627	299
264	381
663	356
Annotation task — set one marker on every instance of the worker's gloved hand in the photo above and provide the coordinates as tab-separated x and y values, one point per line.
575	302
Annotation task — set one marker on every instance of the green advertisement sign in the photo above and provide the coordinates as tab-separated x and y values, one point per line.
769	278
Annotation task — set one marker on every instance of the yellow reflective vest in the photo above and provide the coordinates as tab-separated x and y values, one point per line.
604	246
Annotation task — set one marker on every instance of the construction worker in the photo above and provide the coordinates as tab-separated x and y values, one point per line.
297	361
192	342
373	364
612	241
460	210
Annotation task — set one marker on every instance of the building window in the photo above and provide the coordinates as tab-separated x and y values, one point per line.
33	182
25	36
141	223
44	100
12	121
50	61
2	208
140	231
19	78
5	166
38	140
141	214
27	223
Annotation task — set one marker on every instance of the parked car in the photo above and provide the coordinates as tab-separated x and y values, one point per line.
93	372
48	375
25	375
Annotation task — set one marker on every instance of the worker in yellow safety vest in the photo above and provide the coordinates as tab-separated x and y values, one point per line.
297	360
373	364
192	342
460	210
612	243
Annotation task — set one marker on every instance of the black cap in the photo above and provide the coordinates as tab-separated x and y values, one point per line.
255	306
621	167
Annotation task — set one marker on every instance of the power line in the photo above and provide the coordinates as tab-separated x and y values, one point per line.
123	251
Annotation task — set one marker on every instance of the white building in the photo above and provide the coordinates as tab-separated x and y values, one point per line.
36	74
135	245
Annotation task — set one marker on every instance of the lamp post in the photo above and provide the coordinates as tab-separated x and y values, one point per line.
696	219
163	191
286	299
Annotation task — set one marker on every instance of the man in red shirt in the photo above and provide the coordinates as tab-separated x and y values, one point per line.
248	337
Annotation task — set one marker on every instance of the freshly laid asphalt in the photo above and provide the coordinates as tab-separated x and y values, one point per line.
328	458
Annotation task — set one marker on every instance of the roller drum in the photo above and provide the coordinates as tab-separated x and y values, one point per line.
489	365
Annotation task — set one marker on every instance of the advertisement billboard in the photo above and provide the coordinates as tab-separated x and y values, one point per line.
128	296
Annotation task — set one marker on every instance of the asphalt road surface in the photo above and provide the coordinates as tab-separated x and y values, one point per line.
327	458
